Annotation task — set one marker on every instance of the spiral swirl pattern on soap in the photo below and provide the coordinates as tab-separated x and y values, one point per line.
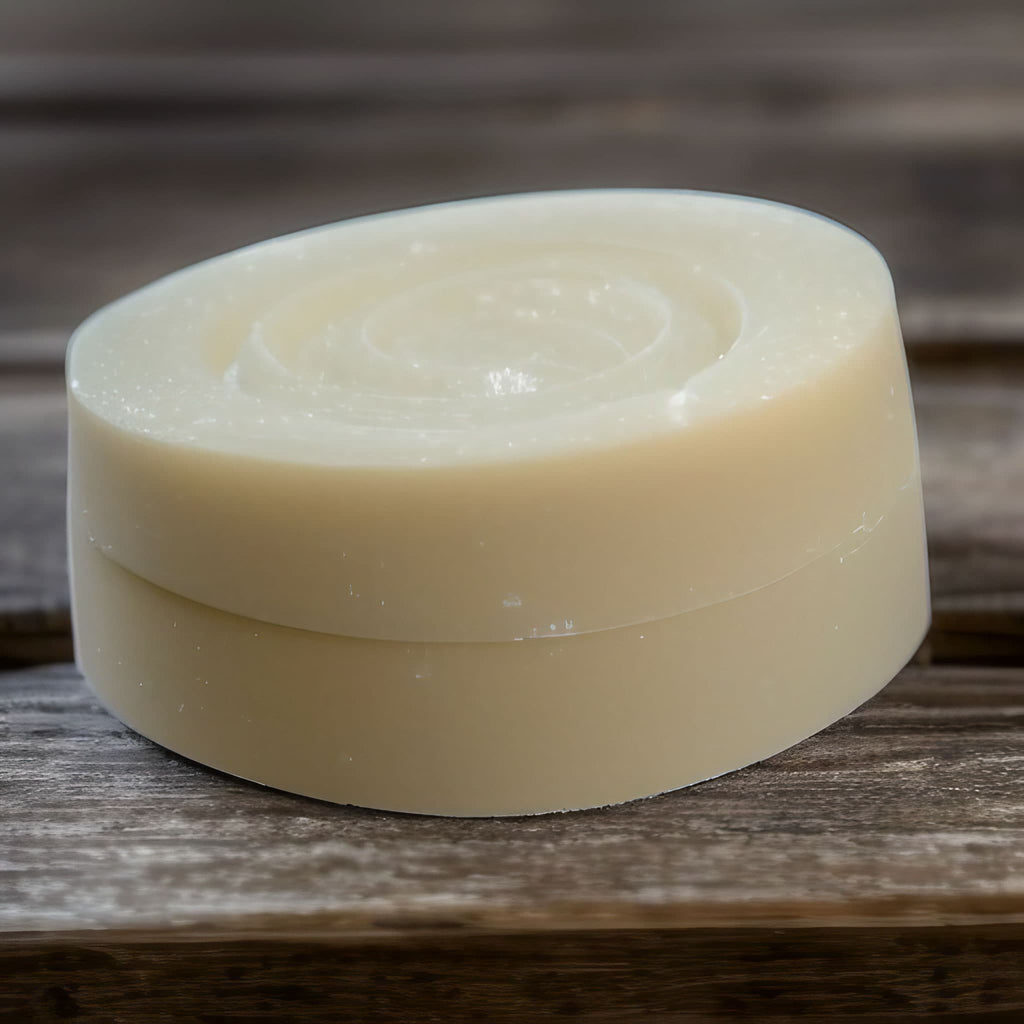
459	342
479	330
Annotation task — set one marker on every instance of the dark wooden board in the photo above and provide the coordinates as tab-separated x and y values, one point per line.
971	974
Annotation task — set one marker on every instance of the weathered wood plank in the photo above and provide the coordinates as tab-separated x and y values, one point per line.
969	974
873	873
908	813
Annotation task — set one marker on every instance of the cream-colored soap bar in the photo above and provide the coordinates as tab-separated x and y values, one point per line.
504	506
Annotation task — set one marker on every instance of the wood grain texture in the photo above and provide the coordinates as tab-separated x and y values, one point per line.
134	145
969	974
908	813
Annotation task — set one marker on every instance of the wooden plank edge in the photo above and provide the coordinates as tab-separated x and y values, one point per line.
949	911
966	973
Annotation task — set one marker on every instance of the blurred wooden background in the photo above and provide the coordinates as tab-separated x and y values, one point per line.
136	137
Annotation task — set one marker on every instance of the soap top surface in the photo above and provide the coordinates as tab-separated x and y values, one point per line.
500	419
490	329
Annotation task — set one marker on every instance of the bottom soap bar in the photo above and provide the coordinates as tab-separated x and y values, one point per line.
509	728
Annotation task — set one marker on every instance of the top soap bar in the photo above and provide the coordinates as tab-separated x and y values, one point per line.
496	419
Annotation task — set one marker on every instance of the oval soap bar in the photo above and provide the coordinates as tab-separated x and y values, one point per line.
504	506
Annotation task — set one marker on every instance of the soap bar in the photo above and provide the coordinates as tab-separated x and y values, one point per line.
503	506
497	420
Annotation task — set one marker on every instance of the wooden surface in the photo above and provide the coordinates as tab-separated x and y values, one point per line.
907	811
129	151
873	870
873	873
879	975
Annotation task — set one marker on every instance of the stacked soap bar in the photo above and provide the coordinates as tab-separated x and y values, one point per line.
505	506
